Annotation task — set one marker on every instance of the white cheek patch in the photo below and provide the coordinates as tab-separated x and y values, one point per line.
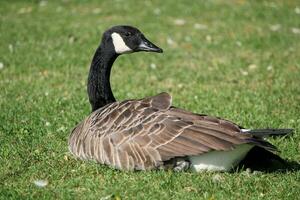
119	44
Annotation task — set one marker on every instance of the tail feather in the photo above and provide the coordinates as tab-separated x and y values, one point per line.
268	132
260	142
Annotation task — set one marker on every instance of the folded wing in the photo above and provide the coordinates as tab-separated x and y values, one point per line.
143	134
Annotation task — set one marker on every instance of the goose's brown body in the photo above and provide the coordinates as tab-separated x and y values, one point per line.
145	134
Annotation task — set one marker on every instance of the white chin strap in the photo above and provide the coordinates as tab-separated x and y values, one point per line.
119	44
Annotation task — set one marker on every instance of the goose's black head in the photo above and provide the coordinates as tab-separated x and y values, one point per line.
128	39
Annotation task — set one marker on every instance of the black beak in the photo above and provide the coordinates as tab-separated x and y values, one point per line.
148	46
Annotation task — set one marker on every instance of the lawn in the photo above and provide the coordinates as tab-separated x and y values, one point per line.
239	60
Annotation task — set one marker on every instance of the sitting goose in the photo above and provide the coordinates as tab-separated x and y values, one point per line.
150	133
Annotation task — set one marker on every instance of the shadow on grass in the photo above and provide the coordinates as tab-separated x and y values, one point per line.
259	159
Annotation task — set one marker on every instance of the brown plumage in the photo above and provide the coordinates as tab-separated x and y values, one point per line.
143	134
149	133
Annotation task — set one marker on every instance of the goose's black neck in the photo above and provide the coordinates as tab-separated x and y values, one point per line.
99	89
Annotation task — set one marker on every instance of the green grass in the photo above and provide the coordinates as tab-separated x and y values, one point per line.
236	68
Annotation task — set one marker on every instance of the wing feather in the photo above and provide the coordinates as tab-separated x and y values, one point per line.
142	134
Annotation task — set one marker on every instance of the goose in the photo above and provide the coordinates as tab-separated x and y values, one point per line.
151	133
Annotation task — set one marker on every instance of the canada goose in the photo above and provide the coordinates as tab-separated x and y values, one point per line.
150	133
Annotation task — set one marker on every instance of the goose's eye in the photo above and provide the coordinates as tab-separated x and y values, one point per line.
127	34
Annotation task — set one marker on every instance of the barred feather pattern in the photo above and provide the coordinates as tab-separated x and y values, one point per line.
146	133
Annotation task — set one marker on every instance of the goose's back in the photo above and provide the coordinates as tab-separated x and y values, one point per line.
143	134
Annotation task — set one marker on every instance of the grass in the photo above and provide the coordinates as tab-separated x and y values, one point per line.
242	65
